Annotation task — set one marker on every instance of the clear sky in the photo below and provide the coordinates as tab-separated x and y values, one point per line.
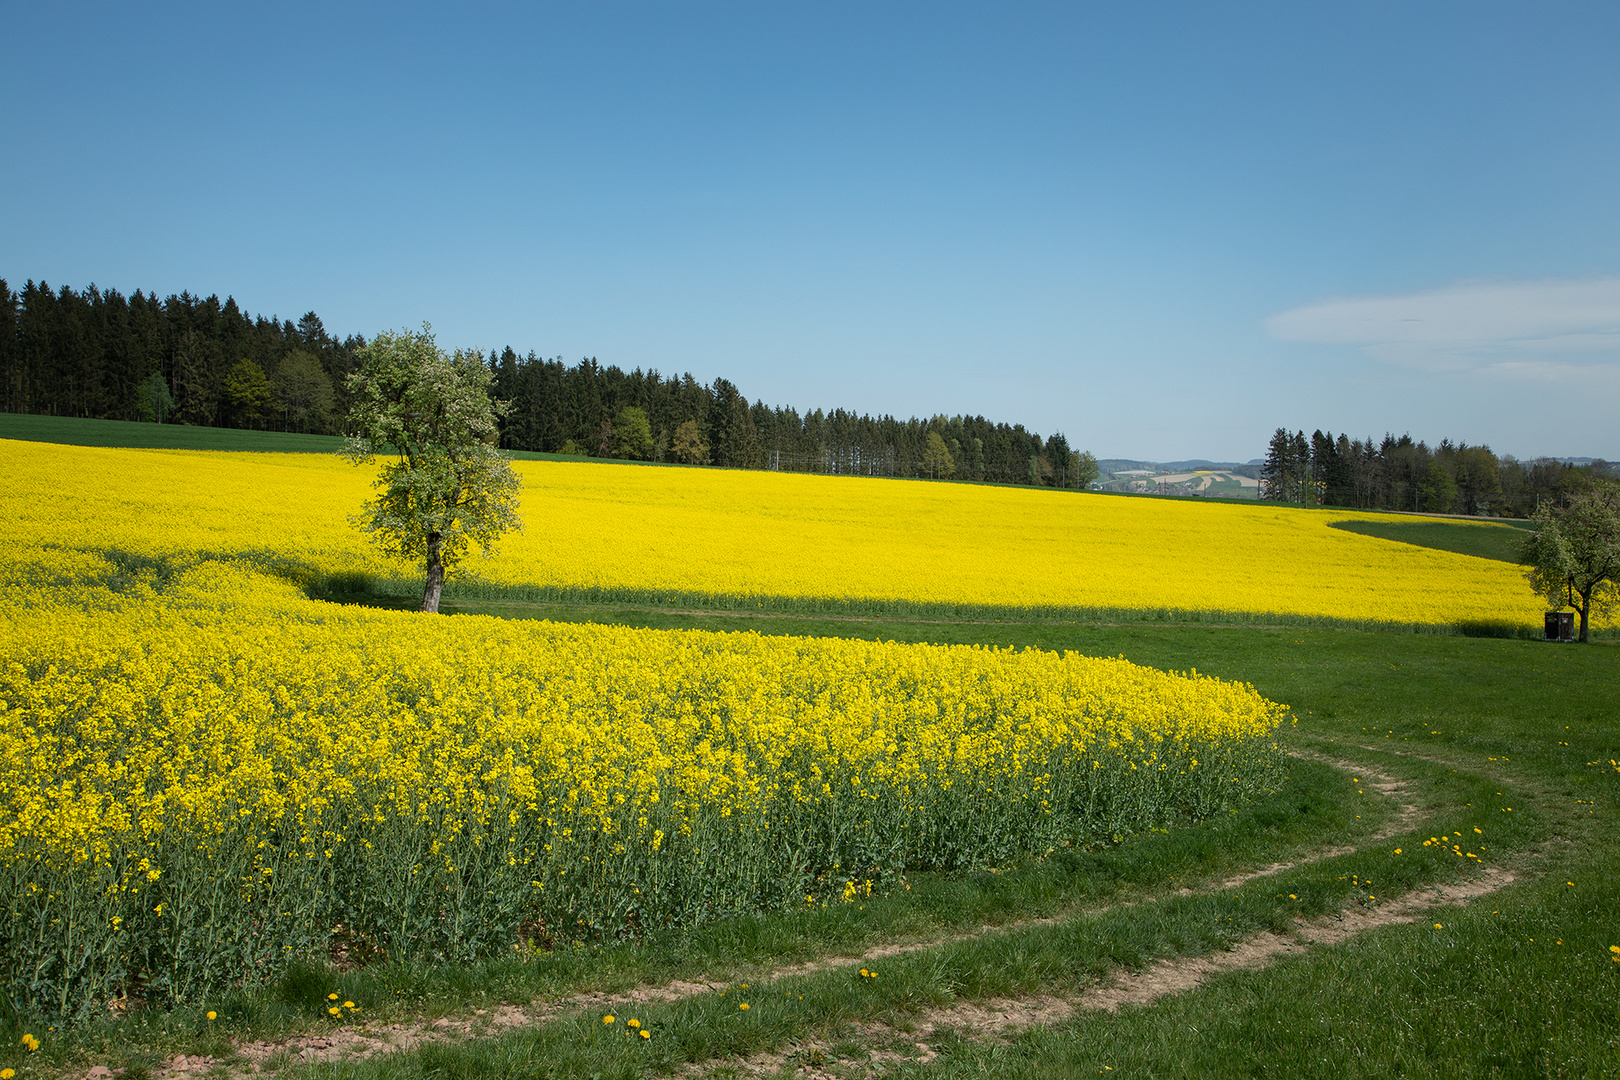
1164	229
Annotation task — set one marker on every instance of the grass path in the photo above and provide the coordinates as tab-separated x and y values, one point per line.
896	1028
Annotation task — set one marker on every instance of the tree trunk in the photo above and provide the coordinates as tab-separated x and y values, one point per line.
1586	604
435	577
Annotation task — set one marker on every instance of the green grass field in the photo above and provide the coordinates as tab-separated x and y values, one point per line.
73	431
1517	739
1485	540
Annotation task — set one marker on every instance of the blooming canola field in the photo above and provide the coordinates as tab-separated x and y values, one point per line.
594	530
205	772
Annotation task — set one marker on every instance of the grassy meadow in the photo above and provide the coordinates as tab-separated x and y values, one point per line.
1507	747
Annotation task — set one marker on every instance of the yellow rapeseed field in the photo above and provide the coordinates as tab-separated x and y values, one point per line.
204	772
638	532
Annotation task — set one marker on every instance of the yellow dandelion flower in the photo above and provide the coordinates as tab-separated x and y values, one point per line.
211	1014
743	1005
608	1019
645	1034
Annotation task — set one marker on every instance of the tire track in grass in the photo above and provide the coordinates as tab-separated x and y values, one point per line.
993	1019
991	1016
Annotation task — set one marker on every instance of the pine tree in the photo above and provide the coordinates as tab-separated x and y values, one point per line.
1278	470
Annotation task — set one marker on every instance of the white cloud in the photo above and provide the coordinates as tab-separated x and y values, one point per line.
1541	329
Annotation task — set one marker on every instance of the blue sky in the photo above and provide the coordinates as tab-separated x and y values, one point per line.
1164	229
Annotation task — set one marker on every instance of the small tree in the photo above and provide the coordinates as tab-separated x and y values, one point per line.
936	459
687	446
1574	555
1085	469
633	434
304	389
247	391
153	401
448	485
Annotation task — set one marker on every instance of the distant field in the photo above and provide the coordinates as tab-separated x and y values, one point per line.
74	431
788	542
1484	540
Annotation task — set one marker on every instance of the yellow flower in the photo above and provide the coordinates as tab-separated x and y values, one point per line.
335	1011
645	1034
608	1019
7	1074
211	1014
632	1022
350	1005
743	1005
331	997
1437	926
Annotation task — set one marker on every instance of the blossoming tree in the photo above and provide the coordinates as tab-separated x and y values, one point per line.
448	486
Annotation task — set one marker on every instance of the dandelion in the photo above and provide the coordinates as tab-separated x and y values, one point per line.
331	997
743	1005
608	1019
350	1005
335	1011
7	1074
645	1034
632	1023
211	1014
1437	926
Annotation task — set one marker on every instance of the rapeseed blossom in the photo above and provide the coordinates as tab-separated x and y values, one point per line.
791	539
203	771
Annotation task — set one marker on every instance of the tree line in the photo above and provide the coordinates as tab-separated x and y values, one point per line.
1400	474
191	360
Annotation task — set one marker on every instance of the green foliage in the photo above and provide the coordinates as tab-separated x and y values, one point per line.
1574	555
304	389
153	402
1085	469
248	394
936	459
448	486
632	434
1439	491
688	446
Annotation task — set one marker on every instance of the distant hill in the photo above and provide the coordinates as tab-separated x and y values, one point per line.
1114	465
